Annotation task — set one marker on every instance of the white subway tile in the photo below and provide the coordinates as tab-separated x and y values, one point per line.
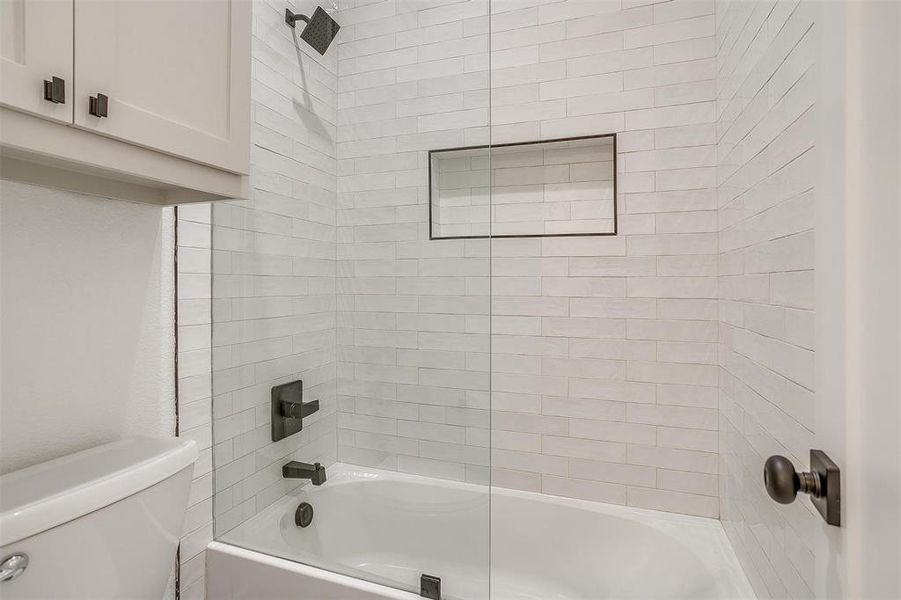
612	472
691	504
669	458
582	489
670	31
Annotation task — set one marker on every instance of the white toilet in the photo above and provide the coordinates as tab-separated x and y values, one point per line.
100	524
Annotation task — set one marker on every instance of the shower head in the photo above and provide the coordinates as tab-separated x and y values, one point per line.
321	29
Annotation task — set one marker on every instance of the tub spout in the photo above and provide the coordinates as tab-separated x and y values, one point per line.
300	470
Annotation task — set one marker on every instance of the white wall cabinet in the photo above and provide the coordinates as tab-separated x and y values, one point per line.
35	45
167	69
175	77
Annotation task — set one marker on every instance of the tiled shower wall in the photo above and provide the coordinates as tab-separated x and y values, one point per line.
766	217
603	356
274	274
412	324
194	321
272	317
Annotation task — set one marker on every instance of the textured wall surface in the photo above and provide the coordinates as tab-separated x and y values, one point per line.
86	313
765	95
603	357
87	307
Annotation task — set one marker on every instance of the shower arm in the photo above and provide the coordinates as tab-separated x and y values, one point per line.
291	18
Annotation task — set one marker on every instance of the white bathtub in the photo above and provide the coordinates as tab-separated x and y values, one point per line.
374	533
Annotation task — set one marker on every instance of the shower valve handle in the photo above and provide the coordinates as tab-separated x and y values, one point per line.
299	410
287	409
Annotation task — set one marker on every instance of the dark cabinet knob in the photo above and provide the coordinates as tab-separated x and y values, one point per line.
99	105
822	483
55	90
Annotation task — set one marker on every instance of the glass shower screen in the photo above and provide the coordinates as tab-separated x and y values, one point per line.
343	333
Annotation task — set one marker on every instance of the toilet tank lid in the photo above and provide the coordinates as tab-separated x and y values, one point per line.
52	493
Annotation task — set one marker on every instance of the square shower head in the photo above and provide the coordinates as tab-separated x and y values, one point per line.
321	29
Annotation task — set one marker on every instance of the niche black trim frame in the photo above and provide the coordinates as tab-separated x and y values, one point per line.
529	235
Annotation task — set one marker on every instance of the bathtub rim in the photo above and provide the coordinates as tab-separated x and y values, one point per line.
332	578
341	474
344	473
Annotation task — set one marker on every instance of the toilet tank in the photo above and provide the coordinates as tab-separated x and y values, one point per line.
100	524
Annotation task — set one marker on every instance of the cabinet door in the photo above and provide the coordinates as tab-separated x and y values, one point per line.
176	75
36	45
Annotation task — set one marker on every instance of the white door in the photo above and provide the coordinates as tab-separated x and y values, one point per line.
36	45
858	312
176	75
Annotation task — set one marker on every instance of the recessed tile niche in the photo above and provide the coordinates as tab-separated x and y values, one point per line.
563	187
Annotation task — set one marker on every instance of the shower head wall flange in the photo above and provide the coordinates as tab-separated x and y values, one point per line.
291	18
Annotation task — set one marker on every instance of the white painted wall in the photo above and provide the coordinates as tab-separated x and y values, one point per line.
87	307
858	293
767	206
